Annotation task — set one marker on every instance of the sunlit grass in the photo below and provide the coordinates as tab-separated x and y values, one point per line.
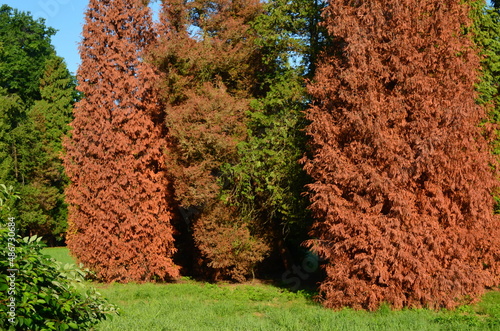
191	305
60	254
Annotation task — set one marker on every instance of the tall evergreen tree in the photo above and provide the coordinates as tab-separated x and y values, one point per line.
402	171
25	46
43	209
120	213
37	93
267	183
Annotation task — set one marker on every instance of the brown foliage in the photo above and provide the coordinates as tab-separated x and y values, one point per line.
402	172
204	132
120	213
226	245
206	83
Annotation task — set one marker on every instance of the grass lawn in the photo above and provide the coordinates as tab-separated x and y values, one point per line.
190	305
61	254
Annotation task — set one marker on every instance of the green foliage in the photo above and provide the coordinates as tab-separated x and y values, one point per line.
268	180
291	36
7	198
32	147
36	292
37	93
267	183
47	295
486	26
12	112
43	209
53	112
487	37
25	47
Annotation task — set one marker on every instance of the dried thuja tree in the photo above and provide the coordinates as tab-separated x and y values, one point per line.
119	214
403	177
209	61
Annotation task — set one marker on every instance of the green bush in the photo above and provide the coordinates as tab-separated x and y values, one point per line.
38	293
47	296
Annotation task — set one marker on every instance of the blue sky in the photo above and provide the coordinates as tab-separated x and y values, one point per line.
66	16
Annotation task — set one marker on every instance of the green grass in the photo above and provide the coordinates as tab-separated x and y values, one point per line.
61	254
190	305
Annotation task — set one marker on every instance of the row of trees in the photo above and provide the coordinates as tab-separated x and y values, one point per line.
190	129
401	174
185	148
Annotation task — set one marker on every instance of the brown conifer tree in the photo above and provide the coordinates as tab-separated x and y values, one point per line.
120	213
208	59
402	172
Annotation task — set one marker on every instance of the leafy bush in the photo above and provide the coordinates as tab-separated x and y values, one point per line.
38	293
227	247
47	296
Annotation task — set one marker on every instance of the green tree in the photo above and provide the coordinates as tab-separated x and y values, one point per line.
12	109
486	35
26	45
36	97
268	181
43	209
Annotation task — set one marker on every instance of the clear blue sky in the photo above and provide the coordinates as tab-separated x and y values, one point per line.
66	16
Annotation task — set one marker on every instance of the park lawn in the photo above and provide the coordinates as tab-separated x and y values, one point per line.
61	254
191	305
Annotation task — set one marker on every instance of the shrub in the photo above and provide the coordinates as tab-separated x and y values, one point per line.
46	294
36	292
